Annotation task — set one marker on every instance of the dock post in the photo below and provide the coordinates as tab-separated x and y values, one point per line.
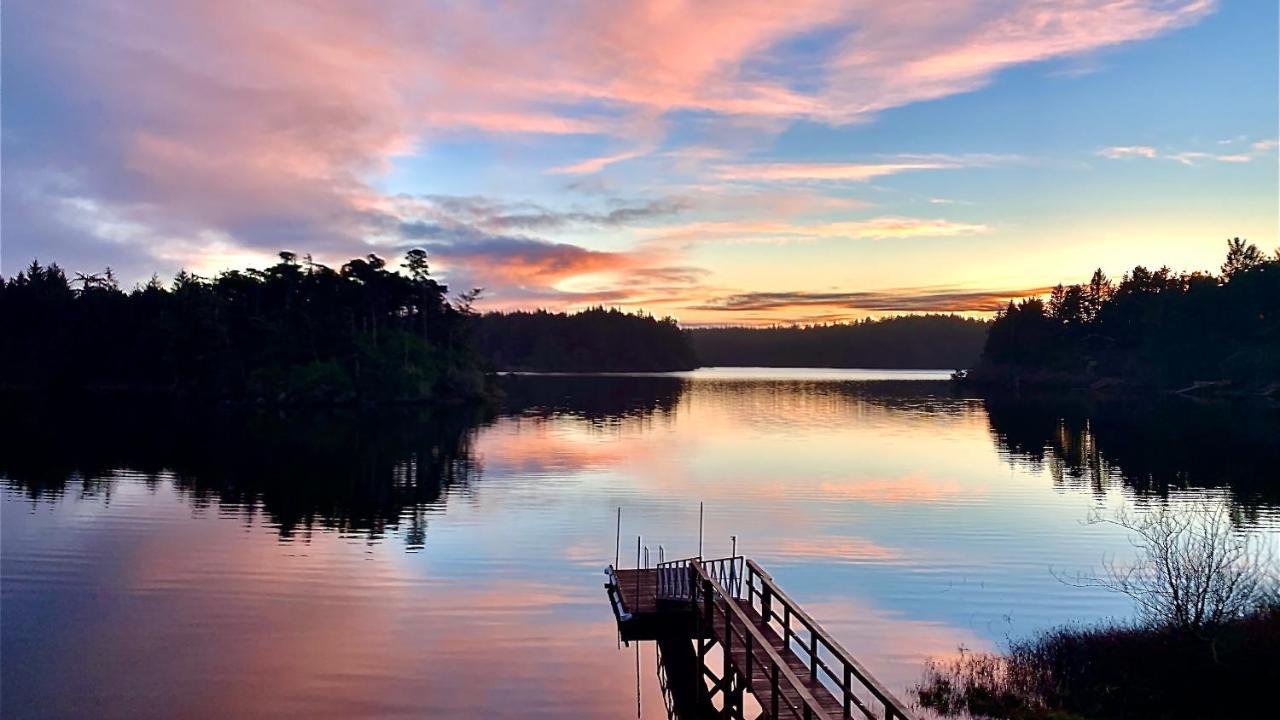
726	677
699	530
733	567
637	568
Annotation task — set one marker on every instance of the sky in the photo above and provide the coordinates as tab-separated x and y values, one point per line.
741	162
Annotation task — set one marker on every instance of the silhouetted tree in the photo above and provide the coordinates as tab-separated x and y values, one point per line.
1154	327
1241	257
293	332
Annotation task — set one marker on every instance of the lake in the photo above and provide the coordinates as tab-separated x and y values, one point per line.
159	563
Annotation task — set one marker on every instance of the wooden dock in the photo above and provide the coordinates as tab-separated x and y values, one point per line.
768	645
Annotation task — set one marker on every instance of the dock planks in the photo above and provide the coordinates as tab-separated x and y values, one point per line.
759	682
639	590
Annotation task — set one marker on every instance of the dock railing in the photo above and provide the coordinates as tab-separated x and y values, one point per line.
675	577
823	654
719	588
712	599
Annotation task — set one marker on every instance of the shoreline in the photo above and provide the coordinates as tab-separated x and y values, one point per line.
1018	380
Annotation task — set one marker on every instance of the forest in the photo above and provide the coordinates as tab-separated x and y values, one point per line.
296	332
909	341
301	332
594	340
1154	329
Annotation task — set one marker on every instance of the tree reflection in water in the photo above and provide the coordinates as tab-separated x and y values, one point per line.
365	473
345	471
1153	446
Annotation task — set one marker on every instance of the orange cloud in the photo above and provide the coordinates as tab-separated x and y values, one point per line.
523	271
517	261
924	299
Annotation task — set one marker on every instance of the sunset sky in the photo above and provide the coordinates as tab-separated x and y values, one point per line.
721	162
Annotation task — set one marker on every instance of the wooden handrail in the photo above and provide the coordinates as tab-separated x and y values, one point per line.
893	707
776	661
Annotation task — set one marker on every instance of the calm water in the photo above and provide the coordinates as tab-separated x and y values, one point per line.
408	565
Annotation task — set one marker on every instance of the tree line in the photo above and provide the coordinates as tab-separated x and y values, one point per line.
1154	328
297	331
908	341
594	340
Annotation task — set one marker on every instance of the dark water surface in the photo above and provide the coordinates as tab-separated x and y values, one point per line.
410	564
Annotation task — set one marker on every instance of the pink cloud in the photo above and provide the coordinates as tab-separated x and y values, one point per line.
909	52
822	171
596	164
522	262
519	272
268	125
515	122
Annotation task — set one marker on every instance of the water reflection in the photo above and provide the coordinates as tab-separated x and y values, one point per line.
254	565
367	472
348	472
594	398
1153	446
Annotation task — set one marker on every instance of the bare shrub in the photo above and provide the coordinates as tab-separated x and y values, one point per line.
1113	671
1207	636
1194	568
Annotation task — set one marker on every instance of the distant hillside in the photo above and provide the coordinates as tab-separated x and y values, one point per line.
595	340
908	341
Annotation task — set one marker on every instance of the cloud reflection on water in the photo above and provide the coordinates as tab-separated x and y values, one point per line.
255	567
